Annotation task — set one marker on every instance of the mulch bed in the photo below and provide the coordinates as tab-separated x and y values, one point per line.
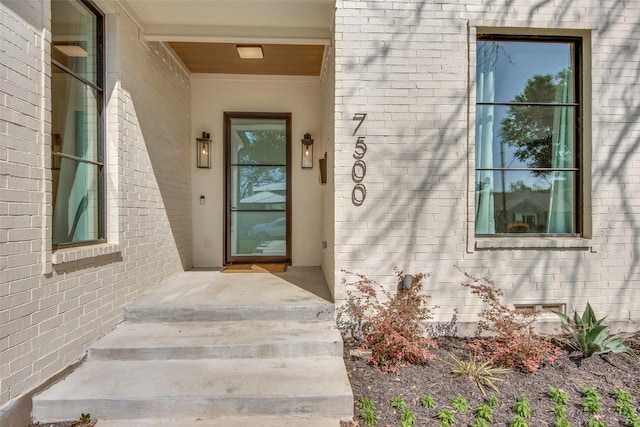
569	372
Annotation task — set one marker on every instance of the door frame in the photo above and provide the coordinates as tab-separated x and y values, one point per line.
228	212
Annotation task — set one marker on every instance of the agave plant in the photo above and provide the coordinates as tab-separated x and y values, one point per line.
589	336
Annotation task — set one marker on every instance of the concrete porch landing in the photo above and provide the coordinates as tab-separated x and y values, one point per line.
211	348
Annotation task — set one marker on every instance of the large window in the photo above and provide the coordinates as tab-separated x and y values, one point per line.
77	80
527	139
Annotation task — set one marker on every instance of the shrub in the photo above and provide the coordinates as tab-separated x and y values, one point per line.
587	334
392	328
512	340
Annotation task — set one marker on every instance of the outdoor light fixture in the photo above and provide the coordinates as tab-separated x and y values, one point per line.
307	151
250	51
203	153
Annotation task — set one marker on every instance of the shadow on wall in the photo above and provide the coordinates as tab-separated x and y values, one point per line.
161	101
445	138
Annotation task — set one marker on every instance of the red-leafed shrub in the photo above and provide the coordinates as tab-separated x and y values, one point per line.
389	324
512	340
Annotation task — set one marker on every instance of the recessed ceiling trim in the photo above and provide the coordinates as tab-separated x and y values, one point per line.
221	34
239	40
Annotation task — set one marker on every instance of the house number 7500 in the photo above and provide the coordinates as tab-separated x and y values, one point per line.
359	169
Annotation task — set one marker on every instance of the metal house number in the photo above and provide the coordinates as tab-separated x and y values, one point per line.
359	169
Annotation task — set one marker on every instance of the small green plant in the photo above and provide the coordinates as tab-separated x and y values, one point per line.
85	418
390	326
558	395
366	403
492	400
633	421
596	421
587	334
427	402
398	402
625	409
622	396
407	417
460	404
624	406
591	401
484	412
522	407
561	398
560	411
446	417
481	373
368	411
480	422
518	421
369	418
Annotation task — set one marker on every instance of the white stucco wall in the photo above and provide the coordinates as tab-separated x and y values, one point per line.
410	66
53	304
212	95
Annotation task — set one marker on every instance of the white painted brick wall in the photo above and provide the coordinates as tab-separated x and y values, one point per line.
47	320
407	64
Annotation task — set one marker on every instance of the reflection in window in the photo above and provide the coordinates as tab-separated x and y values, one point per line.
526	140
77	126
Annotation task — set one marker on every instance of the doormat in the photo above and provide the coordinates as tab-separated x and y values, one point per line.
255	268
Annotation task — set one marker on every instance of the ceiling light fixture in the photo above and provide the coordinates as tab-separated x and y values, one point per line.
250	51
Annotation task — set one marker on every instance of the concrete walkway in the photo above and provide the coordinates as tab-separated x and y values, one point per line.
207	348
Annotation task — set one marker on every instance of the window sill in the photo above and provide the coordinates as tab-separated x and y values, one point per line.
61	256
534	243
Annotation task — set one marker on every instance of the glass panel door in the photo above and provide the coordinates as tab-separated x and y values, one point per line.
258	194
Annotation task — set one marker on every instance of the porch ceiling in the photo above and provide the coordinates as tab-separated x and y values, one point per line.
204	33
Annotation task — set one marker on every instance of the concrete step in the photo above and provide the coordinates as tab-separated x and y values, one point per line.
226	297
226	422
149	313
226	339
188	389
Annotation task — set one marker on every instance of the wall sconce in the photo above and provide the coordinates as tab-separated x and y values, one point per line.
307	151
323	169
203	151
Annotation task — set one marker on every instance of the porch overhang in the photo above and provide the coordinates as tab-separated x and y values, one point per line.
203	28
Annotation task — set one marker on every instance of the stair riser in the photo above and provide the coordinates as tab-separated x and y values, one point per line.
218	352
333	406
254	421
153	314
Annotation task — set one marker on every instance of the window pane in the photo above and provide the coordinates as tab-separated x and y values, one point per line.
259	141
75	38
75	116
524	202
76	122
260	187
525	136
260	233
525	72
76	202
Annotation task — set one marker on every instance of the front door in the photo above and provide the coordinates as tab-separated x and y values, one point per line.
258	193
